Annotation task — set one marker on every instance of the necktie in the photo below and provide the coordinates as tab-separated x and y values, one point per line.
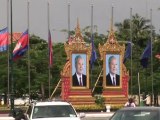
114	83
80	81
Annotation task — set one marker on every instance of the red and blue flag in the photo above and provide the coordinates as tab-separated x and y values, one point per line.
4	39
50	49
21	46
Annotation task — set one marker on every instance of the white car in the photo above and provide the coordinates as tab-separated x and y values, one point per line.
55	110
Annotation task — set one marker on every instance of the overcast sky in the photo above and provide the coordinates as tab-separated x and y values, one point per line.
38	23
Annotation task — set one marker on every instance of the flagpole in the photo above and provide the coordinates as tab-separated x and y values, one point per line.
93	54
8	51
11	64
151	56
112	18
91	37
91	18
139	89
49	76
68	20
29	76
131	45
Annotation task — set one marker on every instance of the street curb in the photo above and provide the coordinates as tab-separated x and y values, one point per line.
101	114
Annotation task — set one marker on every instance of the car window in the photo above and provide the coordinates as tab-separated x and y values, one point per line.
136	115
53	111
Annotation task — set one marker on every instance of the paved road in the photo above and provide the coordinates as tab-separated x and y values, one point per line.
89	116
96	118
5	117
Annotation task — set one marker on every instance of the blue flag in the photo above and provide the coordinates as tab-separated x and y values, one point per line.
93	54
128	52
146	55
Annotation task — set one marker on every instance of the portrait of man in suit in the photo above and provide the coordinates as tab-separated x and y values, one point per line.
78	78
112	78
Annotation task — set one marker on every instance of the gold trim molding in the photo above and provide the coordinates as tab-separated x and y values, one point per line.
65	72
111	46
77	44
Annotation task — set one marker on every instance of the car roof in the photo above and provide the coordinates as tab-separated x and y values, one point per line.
51	103
140	108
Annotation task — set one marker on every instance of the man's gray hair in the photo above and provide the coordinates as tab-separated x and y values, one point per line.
76	59
110	59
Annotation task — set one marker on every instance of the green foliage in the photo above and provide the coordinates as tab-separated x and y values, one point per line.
94	107
140	35
39	61
99	100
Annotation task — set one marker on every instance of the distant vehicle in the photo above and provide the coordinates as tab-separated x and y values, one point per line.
20	101
137	113
55	110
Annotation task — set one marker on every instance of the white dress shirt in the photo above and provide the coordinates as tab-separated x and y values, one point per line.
79	76
113	76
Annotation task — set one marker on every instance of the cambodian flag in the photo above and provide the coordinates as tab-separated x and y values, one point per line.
3	39
21	47
50	49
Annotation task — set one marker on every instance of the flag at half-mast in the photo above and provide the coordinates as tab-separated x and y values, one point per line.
146	54
4	39
50	49
93	54
128	52
21	46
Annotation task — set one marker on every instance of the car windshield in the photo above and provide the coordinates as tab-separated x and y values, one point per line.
136	115
53	111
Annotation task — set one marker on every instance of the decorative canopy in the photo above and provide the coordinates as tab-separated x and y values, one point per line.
77	43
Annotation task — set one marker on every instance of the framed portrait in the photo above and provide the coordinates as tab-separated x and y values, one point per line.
79	70
112	71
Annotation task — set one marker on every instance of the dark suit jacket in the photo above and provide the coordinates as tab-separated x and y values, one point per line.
75	80
109	80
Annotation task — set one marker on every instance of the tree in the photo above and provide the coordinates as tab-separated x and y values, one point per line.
140	36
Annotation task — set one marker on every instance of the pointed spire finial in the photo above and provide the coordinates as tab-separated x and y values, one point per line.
78	27
111	32
78	35
111	29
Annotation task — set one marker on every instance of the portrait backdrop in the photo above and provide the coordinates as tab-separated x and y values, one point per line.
117	56
73	63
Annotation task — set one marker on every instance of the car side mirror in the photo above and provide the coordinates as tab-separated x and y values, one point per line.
82	115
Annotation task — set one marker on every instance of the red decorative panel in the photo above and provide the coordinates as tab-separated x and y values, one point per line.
125	85
78	92
65	88
117	91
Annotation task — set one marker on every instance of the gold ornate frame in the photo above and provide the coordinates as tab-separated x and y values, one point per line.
78	46
111	47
